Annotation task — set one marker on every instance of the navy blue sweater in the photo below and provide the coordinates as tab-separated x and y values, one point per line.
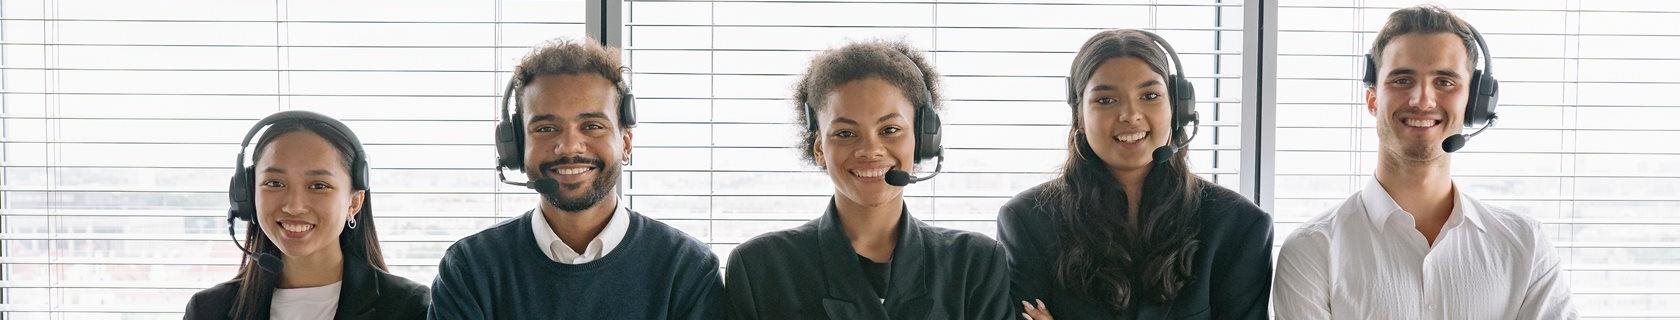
656	272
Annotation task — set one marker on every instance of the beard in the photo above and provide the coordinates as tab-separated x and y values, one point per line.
597	189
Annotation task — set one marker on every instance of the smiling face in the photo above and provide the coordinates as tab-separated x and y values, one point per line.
1125	113
864	129
572	135
1422	87
304	194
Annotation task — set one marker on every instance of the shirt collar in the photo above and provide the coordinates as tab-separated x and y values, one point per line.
556	250
1379	207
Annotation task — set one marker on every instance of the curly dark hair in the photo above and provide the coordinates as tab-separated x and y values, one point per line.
561	56
895	62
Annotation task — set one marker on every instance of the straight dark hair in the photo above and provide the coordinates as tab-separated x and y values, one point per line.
1102	255
1424	19
256	287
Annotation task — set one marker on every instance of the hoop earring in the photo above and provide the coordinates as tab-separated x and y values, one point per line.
352	223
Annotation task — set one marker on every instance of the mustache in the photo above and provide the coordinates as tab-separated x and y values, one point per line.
549	165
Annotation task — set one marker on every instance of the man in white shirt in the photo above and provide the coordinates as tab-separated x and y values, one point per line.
1411	245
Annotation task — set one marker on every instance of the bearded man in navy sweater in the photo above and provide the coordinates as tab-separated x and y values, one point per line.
580	254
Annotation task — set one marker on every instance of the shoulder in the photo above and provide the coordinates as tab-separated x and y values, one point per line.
213	303
1223	206
492	241
1033	206
960	242
669	240
401	295
786	240
1523	231
1315	233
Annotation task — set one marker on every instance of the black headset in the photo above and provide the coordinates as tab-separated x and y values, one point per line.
510	132
1484	94
242	203
927	129
1183	102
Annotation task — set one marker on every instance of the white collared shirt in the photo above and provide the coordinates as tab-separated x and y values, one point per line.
1366	260
603	243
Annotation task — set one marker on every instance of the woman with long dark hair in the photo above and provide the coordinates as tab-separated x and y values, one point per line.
313	250
1126	231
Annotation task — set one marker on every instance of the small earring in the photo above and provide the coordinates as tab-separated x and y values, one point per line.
352	223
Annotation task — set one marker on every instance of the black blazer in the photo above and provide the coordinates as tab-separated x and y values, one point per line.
1231	273
367	293
812	272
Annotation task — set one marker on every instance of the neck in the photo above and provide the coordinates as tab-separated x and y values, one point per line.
873	230
318	269
1131	181
1422	188
578	228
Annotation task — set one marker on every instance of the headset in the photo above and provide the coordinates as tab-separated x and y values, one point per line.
1484	94
510	132
927	130
1183	103
242	203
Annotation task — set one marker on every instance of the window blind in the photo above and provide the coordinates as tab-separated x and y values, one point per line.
121	120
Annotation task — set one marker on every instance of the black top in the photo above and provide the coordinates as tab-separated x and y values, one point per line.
655	272
1231	273
367	293
877	274
812	272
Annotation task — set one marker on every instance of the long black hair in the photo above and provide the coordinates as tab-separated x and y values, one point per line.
256	287
1102	255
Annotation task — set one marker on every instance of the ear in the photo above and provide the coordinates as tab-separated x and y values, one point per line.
356	201
1371	100
629	137
816	152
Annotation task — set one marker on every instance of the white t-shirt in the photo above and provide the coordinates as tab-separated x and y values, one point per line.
317	303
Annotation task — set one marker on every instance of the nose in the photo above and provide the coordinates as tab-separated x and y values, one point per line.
1425	97
570	142
296	202
873	147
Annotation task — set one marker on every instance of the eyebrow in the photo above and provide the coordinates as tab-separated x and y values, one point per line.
882	119
552	117
1144	84
1409	71
316	172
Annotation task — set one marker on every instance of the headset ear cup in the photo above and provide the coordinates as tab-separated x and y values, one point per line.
1184	101
1484	97
627	109
508	146
241	196
927	134
1370	71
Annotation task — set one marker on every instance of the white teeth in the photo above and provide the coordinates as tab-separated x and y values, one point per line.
571	171
1420	123
296	227
1131	137
869	173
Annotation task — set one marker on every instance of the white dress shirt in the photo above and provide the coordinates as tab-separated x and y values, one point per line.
603	243
1366	260
315	303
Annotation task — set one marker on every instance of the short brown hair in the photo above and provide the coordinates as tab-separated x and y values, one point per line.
1423	19
895	62
561	56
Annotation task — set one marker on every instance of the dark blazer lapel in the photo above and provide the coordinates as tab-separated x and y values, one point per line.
907	287
848	294
360	289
